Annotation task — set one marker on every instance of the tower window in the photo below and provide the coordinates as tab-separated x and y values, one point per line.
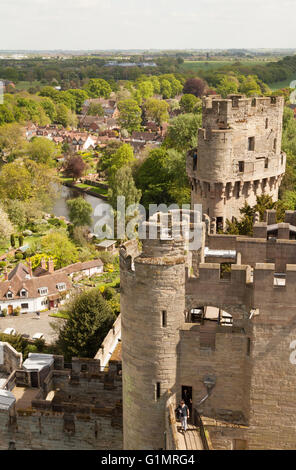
266	123
248	346
274	144
251	143
266	163
157	390
164	318
241	167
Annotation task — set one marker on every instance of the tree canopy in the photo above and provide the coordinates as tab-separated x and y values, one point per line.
89	320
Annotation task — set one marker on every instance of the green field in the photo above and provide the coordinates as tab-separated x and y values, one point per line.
282	84
217	64
26	85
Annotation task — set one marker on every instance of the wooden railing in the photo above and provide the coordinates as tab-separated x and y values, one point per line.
198	422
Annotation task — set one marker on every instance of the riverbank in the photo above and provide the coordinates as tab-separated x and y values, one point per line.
86	189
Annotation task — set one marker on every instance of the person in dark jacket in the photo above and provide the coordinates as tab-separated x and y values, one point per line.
183	412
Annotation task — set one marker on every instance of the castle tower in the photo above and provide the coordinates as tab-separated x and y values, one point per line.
152	310
238	155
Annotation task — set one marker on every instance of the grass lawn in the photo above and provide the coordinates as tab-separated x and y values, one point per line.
100	191
65	179
59	315
95	189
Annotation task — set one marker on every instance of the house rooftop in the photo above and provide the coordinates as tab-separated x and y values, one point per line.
106	243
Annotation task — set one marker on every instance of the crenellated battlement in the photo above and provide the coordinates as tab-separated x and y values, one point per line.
215	105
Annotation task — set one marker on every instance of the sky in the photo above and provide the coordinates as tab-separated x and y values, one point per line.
146	24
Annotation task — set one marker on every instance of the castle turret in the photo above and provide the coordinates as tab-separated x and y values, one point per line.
238	156
152	309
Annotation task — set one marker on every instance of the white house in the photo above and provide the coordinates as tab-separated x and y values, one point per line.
32	293
42	289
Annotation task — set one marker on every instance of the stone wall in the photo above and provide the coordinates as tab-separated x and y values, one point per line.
110	342
10	359
84	413
39	430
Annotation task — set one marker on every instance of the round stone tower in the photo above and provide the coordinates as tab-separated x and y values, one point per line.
152	311
238	156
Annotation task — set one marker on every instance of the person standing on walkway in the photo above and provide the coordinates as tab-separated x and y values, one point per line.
184	412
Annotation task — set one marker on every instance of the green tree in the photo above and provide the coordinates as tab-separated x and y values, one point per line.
65	116
49	107
89	320
12	141
249	86
122	183
146	89
182	132
80	211
42	150
80	96
50	92
124	155
162	178
188	102
107	152
166	89
58	245
95	109
157	110
97	87
227	86
130	116
15	182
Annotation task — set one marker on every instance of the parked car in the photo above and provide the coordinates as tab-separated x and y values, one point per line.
38	336
9	331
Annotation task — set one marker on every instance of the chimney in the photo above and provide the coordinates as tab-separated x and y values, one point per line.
5	275
43	264
50	266
30	268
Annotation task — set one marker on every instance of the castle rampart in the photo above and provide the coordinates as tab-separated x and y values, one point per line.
175	336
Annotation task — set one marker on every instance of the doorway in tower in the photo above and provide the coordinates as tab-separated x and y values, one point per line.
186	393
219	223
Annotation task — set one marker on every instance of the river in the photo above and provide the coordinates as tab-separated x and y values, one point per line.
60	206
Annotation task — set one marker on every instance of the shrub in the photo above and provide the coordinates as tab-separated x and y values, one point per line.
40	344
4	312
19	256
17	311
